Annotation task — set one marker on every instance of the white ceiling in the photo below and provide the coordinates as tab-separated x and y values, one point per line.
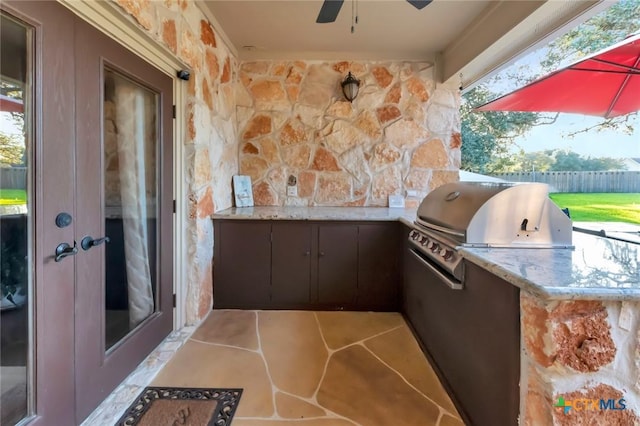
469	37
389	29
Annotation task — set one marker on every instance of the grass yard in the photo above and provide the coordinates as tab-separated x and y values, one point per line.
599	207
9	197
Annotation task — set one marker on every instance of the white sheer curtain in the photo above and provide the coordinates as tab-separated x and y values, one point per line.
135	123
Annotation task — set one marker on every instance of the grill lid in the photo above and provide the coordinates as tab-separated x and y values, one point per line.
453	205
496	214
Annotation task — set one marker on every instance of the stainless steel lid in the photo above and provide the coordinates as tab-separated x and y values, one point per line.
496	214
453	205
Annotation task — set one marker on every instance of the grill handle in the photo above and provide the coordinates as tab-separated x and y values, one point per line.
442	229
454	285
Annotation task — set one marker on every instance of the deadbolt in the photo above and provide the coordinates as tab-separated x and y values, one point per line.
63	220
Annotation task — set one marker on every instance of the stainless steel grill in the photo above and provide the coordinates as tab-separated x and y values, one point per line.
484	214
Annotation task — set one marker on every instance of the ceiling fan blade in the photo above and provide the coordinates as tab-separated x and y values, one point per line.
329	11
419	4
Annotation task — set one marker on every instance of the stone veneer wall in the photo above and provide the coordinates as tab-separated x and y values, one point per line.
579	350
211	143
400	133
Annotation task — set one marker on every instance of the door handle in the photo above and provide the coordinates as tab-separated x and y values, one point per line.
88	242
64	249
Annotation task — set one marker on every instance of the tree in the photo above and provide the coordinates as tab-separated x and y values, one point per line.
12	147
556	160
488	135
487	138
570	161
11	150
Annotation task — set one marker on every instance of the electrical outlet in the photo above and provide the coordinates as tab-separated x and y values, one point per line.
412	193
292	190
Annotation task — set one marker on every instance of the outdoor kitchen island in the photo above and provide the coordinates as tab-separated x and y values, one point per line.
576	309
580	326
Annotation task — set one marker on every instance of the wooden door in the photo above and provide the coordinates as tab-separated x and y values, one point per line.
337	264
47	81
72	367
124	148
290	264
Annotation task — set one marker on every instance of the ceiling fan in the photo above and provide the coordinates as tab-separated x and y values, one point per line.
331	8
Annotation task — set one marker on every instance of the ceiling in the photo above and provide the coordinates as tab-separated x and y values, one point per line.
388	29
470	36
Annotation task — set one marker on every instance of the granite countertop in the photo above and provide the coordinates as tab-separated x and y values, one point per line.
406	216
597	269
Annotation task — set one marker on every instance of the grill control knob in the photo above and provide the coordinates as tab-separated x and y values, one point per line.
424	241
448	255
435	247
413	235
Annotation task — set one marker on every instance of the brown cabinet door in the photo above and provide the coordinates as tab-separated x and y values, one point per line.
337	264
290	264
242	264
378	265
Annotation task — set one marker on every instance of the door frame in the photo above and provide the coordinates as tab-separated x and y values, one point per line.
107	18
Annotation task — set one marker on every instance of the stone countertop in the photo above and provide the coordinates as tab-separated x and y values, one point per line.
406	216
597	269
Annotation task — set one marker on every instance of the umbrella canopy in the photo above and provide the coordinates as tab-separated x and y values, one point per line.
8	104
605	84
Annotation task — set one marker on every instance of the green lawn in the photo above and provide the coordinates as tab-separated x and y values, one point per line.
600	207
10	197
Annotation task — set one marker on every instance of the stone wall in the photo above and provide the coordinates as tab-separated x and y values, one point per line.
210	139
400	133
579	351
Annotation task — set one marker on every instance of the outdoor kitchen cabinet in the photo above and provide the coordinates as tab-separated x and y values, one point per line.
472	337
244	249
337	264
263	264
290	263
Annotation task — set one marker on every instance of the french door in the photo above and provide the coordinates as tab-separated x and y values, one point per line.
99	210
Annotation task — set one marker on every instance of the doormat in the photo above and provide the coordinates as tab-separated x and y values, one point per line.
158	406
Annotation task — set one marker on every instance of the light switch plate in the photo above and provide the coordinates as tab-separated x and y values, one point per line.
292	191
396	201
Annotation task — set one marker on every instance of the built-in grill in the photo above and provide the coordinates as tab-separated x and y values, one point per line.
484	214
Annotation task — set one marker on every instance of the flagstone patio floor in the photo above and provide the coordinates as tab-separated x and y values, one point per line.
314	369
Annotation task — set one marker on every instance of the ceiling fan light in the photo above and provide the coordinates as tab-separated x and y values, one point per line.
350	86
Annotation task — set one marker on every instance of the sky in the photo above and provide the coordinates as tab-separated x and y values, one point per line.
7	125
608	143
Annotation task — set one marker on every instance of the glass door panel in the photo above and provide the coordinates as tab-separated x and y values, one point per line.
131	209
15	221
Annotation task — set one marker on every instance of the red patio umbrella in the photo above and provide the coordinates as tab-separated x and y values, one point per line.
605	84
8	104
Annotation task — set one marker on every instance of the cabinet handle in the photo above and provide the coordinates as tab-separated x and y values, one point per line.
321	253
307	253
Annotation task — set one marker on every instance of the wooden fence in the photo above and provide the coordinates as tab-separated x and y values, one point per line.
610	181
13	177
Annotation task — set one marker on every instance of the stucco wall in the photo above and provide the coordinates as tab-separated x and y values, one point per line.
399	133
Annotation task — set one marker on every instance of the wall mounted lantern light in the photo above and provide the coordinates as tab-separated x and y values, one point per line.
350	86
